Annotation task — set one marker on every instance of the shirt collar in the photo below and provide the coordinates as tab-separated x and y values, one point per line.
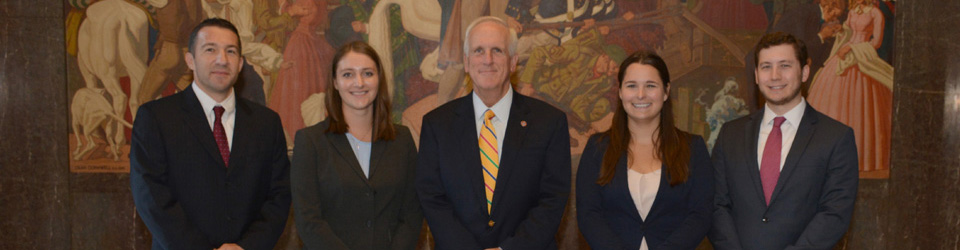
500	109
793	116
207	102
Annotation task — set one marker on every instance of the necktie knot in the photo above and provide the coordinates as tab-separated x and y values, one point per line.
218	111
488	115
777	121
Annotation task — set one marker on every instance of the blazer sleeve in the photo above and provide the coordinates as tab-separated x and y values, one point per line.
160	210
723	234
837	199
264	232
589	200
539	229
699	202
314	230
411	218
445	226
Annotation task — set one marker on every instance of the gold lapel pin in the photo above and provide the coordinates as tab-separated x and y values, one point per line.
523	123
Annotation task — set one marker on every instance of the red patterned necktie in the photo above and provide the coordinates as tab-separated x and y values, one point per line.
221	135
770	163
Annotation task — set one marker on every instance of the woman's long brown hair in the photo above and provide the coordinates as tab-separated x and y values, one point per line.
670	142
382	128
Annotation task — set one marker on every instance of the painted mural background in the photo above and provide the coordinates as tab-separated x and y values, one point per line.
126	52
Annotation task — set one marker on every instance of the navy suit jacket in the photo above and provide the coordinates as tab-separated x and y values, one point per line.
184	193
533	184
679	218
338	207
813	200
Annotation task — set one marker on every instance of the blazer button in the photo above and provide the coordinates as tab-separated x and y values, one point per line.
764	220
369	223
490	223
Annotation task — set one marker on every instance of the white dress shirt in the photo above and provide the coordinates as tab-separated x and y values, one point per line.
502	111
788	129
229	111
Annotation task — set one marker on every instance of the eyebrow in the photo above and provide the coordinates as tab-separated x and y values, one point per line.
215	44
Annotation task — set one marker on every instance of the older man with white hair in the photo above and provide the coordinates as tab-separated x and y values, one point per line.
494	166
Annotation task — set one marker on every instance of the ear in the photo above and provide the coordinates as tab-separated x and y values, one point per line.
756	76
240	65
806	73
513	62
188	58
666	95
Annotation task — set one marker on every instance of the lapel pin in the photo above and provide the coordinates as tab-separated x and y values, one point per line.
523	124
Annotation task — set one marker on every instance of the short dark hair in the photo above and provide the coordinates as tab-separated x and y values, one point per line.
382	126
778	38
215	22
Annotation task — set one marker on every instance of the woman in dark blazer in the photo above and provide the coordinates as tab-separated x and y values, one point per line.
352	175
644	184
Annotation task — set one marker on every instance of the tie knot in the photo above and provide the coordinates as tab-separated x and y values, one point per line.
218	111
777	121
488	115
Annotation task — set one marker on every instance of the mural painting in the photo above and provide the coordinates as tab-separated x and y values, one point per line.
123	53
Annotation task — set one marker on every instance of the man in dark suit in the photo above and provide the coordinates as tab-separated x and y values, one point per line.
209	169
494	166
786	176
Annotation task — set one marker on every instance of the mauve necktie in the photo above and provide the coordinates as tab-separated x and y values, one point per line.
221	135
770	163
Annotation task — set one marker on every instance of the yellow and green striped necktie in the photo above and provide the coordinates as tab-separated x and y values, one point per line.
489	156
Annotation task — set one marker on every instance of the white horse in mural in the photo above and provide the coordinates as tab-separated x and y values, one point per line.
419	18
112	42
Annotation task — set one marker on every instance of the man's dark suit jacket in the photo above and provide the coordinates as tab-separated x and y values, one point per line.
680	217
338	207
813	201
533	184
184	193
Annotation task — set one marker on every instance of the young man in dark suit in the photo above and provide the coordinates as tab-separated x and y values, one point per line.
786	176
209	170
494	166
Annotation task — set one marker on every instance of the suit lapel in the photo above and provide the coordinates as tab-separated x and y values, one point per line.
513	142
342	147
196	121
376	152
243	131
664	187
804	133
621	186
753	134
465	130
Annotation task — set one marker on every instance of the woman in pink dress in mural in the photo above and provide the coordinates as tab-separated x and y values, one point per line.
854	86
309	53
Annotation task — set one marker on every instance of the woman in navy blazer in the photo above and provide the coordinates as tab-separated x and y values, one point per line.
644	184
352	175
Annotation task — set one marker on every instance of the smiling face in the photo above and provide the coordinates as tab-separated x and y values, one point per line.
643	93
357	81
216	61
779	76
488	60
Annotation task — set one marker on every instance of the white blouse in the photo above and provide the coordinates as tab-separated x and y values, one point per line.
643	190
